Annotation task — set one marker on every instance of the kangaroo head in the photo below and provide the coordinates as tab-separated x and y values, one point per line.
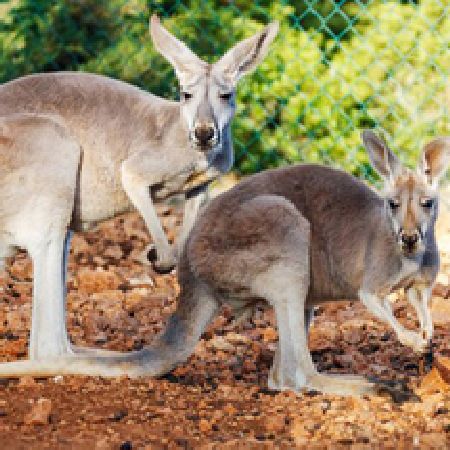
411	198
207	91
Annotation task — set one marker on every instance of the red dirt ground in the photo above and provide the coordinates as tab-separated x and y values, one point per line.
219	398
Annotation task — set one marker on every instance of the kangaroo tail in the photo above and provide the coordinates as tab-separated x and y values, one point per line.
196	308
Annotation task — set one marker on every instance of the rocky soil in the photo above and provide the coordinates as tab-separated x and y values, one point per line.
219	397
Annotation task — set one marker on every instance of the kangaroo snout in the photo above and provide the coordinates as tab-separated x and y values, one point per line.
205	134
409	239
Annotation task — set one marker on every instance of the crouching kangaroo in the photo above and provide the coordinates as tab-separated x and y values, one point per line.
79	148
136	147
295	237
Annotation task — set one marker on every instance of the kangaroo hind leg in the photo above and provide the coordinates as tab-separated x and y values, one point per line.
285	285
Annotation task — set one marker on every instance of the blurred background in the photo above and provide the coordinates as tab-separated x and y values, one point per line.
336	66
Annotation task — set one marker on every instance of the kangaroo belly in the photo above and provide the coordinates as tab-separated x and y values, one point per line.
332	278
100	204
101	195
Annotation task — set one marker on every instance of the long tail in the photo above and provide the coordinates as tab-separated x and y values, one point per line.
174	345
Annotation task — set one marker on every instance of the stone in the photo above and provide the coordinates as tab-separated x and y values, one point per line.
90	281
40	412
440	311
442	364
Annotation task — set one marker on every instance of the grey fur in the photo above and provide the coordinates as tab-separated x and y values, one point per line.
79	148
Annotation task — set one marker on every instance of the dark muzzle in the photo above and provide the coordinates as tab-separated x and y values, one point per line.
205	135
409	240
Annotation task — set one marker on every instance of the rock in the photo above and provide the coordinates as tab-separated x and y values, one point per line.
300	435
229	409
40	412
79	245
26	381
442	364
432	382
113	252
23	290
22	268
141	282
102	444
353	335
219	343
345	360
426	406
17	318
248	366
433	440
440	311
99	260
101	337
204	425
323	336
443	279
269	334
274	423
90	281
237	338
441	290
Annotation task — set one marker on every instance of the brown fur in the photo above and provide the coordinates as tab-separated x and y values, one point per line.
348	228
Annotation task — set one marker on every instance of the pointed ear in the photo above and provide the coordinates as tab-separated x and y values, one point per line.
435	159
381	156
184	61
245	56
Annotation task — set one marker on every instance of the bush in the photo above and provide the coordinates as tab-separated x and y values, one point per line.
46	35
310	106
335	68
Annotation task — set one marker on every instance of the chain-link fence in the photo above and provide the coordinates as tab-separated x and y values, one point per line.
335	67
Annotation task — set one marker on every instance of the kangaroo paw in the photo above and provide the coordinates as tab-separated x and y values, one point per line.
161	264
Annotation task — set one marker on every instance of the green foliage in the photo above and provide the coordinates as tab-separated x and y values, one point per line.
46	35
133	57
309	105
335	68
394	73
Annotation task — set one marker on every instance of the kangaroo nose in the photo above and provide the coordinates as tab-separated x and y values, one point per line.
204	134
410	240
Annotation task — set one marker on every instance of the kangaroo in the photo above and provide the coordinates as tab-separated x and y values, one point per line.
135	144
80	148
295	237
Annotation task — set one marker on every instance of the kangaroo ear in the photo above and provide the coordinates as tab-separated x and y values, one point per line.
435	159
381	156
185	62
247	54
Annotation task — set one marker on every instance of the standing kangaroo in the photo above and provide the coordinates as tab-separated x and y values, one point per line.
296	237
133	143
78	148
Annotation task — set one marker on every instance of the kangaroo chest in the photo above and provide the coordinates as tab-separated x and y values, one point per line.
410	274
101	195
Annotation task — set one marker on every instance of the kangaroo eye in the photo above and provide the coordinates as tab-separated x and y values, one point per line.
427	203
393	204
226	95
185	95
